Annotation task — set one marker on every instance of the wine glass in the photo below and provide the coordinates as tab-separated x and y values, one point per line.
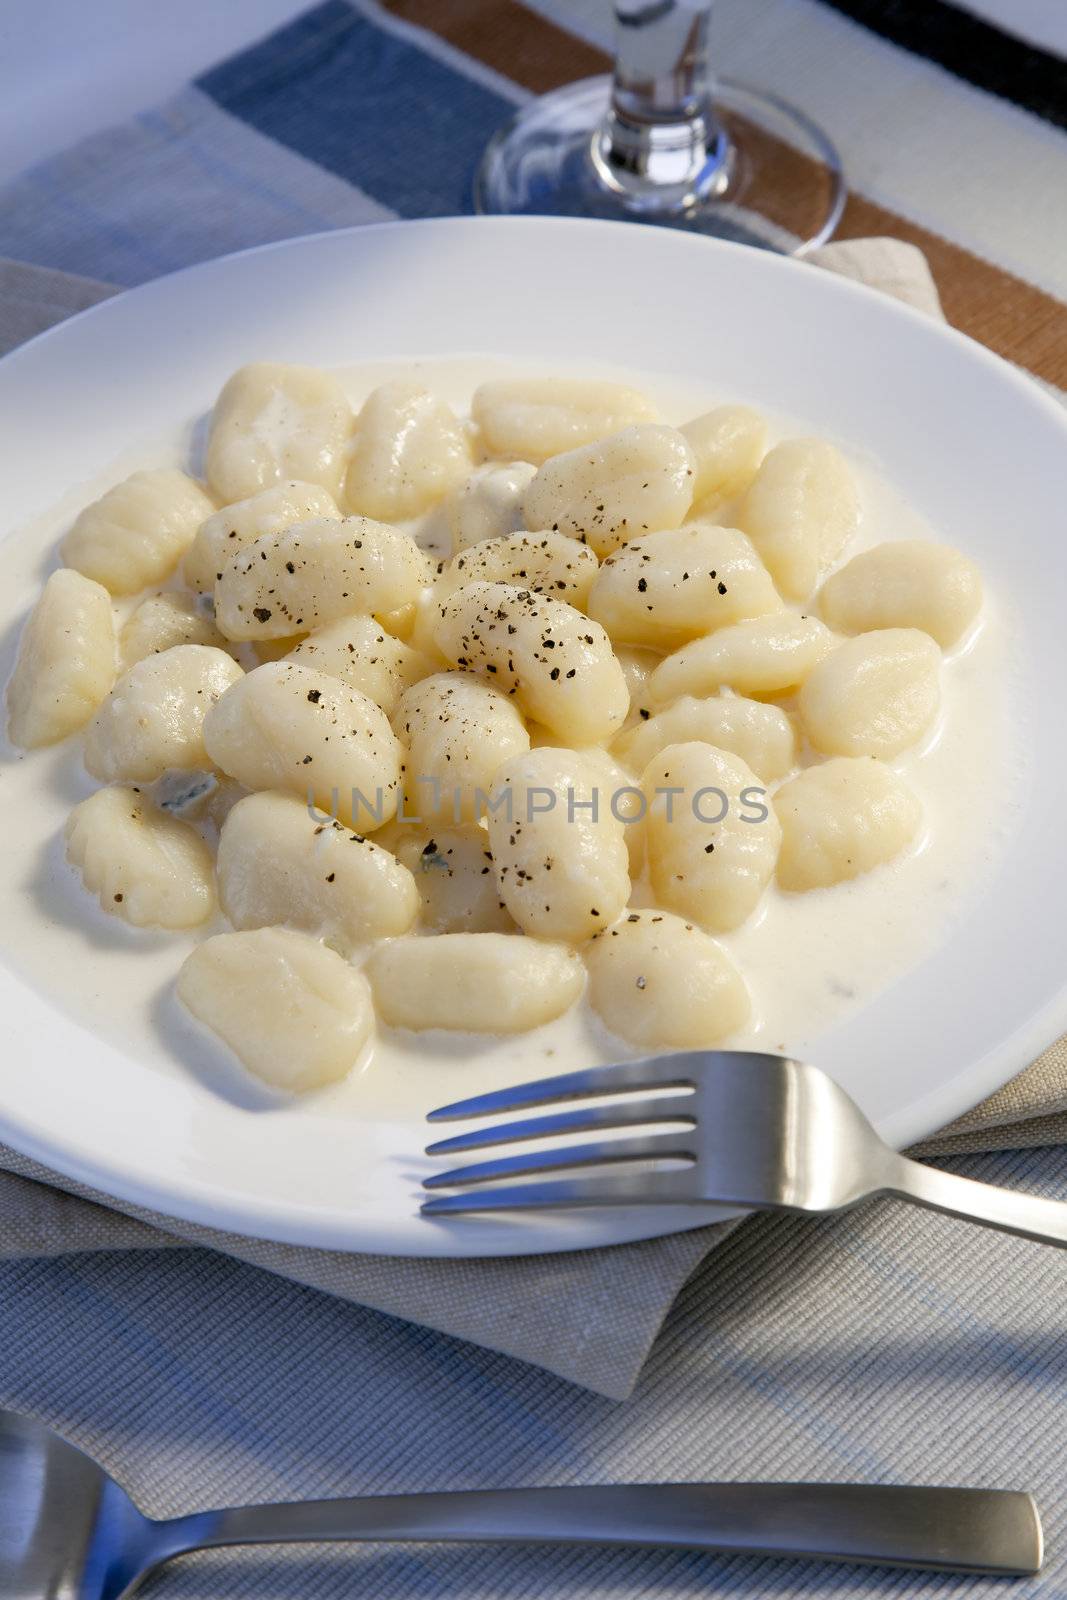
662	141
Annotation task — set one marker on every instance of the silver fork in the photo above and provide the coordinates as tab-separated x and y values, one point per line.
730	1127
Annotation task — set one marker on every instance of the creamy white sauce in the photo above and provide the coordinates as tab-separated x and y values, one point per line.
809	959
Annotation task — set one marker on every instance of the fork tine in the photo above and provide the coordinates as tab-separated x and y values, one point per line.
644	1189
587	1119
656	1072
650	1147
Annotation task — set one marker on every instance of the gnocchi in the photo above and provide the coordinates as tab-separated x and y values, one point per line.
562	865
557	664
66	661
712	841
153	719
222	534
362	654
457	731
636	481
143	866
907	584
274	424
292	1010
800	512
727	445
762	735
532	419
489	504
525	678
624	799
410	449
425	615
453	873
136	534
667	588
285	726
278	863
474	982
638	665
764	655
874	695
306	576
662	984
841	819
548	563
161	622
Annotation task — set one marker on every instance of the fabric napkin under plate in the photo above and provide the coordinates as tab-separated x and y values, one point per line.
589	1316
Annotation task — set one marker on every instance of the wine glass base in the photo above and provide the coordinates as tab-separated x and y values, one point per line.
779	184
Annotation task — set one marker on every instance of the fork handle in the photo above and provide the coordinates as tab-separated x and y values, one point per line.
958	1530
1027	1215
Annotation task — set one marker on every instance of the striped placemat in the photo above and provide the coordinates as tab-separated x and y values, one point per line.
954	135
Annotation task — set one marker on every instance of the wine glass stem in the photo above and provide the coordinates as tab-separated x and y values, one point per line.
660	145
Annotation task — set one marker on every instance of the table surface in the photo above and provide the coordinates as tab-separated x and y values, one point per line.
70	67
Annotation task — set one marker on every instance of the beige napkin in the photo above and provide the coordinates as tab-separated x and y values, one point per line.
590	1316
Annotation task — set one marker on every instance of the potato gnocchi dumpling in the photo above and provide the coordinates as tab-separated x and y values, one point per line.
666	588
453	872
422	635
153	719
292	1010
489	504
841	819
287	727
306	576
874	695
549	563
762	735
457	731
66	661
765	655
557	665
619	792
474	982
163	621
800	512
663	984
638	665
360	652
265	650
143	866
712	840
533	418
562	865
222	534
410	449
273	424
136	534
908	584
636	481
727	445
277	863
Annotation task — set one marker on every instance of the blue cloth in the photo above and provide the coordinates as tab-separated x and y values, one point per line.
343	117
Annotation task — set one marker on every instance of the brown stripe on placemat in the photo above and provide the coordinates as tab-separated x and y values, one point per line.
1012	317
517	43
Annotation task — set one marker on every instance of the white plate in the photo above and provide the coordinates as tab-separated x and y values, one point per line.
981	450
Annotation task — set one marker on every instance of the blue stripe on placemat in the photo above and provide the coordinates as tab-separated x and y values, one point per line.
366	104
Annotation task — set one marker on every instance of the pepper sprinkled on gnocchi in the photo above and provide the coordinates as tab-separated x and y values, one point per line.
514	717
